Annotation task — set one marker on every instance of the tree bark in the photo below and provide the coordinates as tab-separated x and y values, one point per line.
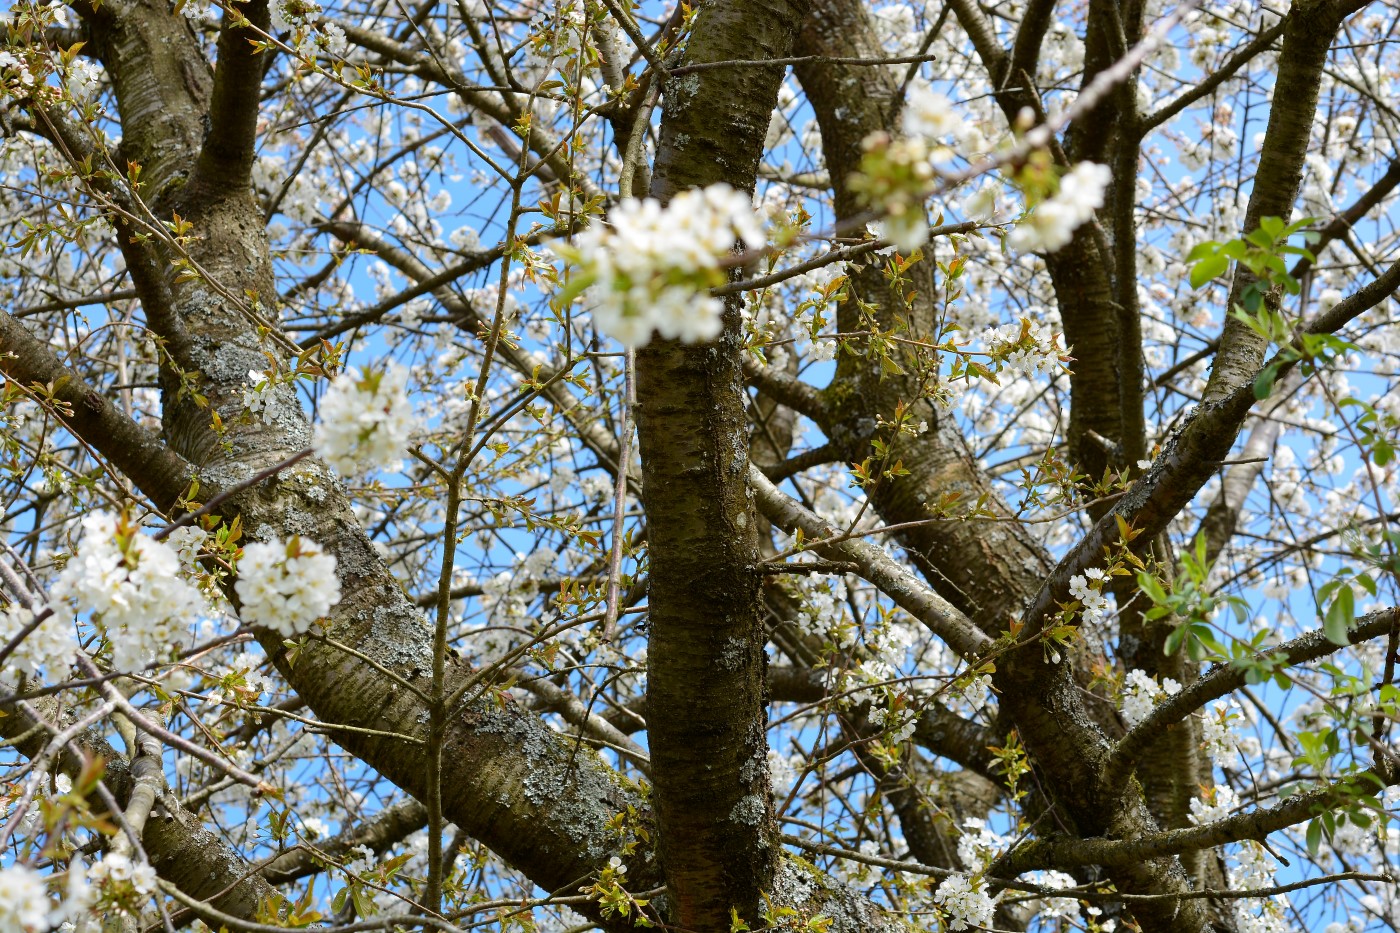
705	658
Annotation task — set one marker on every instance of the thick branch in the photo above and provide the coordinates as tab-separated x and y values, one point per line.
908	592
1307	39
1257	824
159	472
705	657
1224	679
226	158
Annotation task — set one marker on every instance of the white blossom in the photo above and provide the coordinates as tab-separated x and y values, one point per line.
132	586
978	844
257	393
1088	589
1141	693
24	903
930	114
650	265
1026	347
50	647
366	421
335	41
286	586
965	902
1218	804
1051	224
118	869
976	691
1217	740
1048	908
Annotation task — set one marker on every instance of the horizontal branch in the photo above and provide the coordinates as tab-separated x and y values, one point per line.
891	578
1224	679
1064	852
785	389
842	254
800	60
159	472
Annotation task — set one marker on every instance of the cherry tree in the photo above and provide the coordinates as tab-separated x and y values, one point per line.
786	464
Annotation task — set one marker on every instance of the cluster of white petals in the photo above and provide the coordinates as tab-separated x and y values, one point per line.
1052	223
49	647
976	691
1253	869
116	870
27	907
965	902
979	844
898	173
132	585
286	586
1026	348
1088	589
24	903
1217	739
257	393
1141	693
1050	908
650	266
931	115
1220	802
366	421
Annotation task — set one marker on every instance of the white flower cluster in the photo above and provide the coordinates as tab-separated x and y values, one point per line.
286	586
366	421
650	266
898	724
1141	693
24	903
1218	804
1088	589
1217	739
51	646
1026	348
1252	870
964	901
978	844
823	611
1051	224
930	115
83	79
14	71
123	883
258	393
132	585
1049	908
897	174
285	15
976	691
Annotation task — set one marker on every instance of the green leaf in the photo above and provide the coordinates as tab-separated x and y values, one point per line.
1264	382
1202	250
577	284
1314	837
1208	268
1152	587
1340	616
